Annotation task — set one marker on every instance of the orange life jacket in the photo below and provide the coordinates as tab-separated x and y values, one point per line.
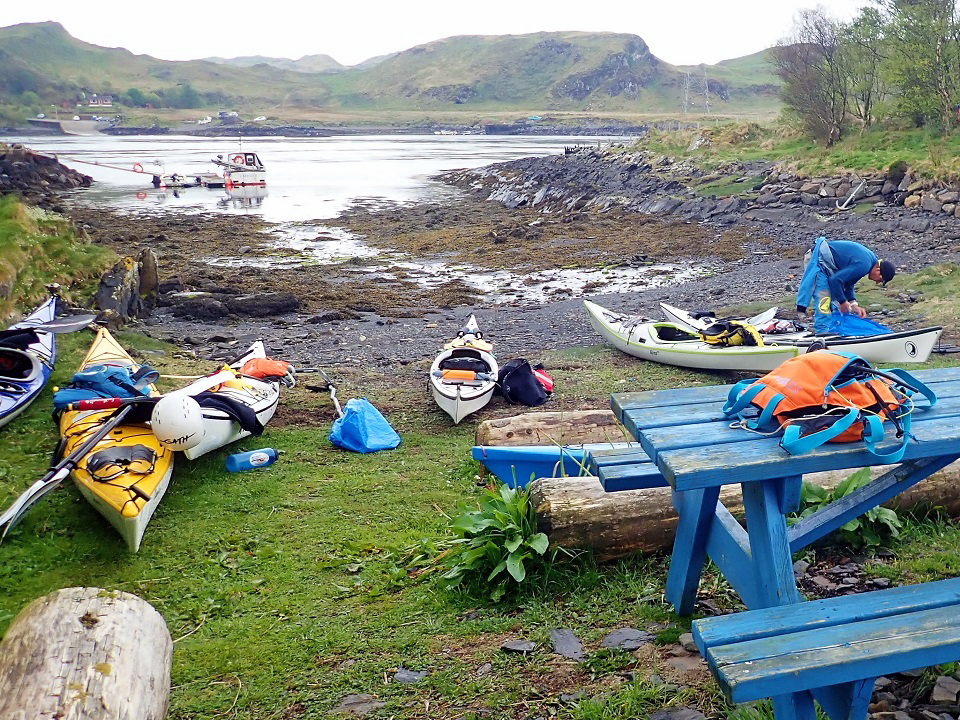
828	396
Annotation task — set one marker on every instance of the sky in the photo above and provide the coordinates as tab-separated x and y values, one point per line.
685	32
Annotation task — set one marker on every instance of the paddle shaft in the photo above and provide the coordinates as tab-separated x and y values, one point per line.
59	472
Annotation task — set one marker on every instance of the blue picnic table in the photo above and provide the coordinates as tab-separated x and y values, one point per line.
686	437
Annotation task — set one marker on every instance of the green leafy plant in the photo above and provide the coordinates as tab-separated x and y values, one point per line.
495	541
870	530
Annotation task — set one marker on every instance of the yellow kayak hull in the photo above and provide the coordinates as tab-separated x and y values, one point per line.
128	500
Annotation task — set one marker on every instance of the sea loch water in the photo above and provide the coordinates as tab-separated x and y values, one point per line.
307	178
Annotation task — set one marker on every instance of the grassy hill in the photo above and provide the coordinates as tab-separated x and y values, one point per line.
598	73
306	64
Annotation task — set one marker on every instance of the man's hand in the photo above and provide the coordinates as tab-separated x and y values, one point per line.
857	310
845	308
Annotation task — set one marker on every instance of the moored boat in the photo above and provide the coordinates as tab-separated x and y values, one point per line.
125	475
905	346
671	344
463	376
241	168
26	361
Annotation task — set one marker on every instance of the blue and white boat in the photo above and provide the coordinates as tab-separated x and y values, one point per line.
27	355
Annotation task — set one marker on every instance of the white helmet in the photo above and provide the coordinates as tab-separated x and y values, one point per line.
177	422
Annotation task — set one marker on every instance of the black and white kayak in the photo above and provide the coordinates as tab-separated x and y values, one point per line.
907	346
463	376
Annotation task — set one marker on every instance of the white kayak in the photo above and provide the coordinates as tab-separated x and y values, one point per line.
907	346
240	392
671	344
463	376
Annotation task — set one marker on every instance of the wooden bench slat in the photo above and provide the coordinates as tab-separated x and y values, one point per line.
826	612
620	402
718	432
711	466
828	656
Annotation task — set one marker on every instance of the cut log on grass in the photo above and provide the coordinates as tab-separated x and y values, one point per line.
576	512
86	653
552	428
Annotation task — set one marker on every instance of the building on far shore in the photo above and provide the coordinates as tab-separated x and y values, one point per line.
100	101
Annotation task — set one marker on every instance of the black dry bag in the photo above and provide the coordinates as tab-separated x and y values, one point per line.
519	385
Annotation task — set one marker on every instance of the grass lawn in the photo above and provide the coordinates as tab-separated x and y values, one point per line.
287	588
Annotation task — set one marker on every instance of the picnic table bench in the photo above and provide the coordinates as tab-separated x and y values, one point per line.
696	451
831	650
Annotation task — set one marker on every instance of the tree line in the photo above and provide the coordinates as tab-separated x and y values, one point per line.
896	60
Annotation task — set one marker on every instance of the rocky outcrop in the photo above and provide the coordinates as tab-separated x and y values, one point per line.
26	172
616	177
128	290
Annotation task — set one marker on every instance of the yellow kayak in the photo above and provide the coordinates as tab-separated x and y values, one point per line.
126	474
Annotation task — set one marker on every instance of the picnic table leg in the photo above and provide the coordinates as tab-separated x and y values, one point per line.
795	706
767	529
696	510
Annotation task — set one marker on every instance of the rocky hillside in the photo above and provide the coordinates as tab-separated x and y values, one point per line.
535	73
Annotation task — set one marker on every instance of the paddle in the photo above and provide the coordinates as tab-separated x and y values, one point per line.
68	324
122	407
330	386
11	516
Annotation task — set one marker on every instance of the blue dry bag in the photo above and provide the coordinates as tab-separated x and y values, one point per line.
850	325
363	429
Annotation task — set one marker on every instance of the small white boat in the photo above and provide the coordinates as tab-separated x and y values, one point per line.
241	168
221	424
463	376
671	344
907	346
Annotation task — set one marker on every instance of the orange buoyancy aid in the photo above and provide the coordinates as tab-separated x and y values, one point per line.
828	396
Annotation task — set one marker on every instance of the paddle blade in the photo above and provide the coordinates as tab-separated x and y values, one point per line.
12	515
68	324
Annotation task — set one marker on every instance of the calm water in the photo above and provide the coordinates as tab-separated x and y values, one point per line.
311	180
307	178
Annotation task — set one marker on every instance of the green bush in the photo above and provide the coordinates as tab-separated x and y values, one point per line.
867	531
495	541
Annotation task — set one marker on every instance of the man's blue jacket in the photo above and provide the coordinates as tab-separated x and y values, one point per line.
850	262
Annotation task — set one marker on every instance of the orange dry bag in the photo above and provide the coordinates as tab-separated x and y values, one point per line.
828	396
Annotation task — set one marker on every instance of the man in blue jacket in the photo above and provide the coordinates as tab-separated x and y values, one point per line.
829	277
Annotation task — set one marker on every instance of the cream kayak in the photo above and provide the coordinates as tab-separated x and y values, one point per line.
253	397
671	344
463	376
907	346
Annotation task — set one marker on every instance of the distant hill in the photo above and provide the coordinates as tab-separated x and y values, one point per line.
306	64
561	71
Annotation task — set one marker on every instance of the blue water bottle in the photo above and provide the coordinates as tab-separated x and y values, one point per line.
252	459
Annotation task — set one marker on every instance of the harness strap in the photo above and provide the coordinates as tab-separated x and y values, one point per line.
873	434
796	444
912	383
737	399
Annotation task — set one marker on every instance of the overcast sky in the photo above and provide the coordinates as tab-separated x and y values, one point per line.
684	32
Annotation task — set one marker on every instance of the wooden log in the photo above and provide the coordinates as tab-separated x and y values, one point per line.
86	653
552	428
576	512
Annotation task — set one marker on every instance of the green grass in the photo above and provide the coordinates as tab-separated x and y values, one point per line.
929	155
37	248
287	588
